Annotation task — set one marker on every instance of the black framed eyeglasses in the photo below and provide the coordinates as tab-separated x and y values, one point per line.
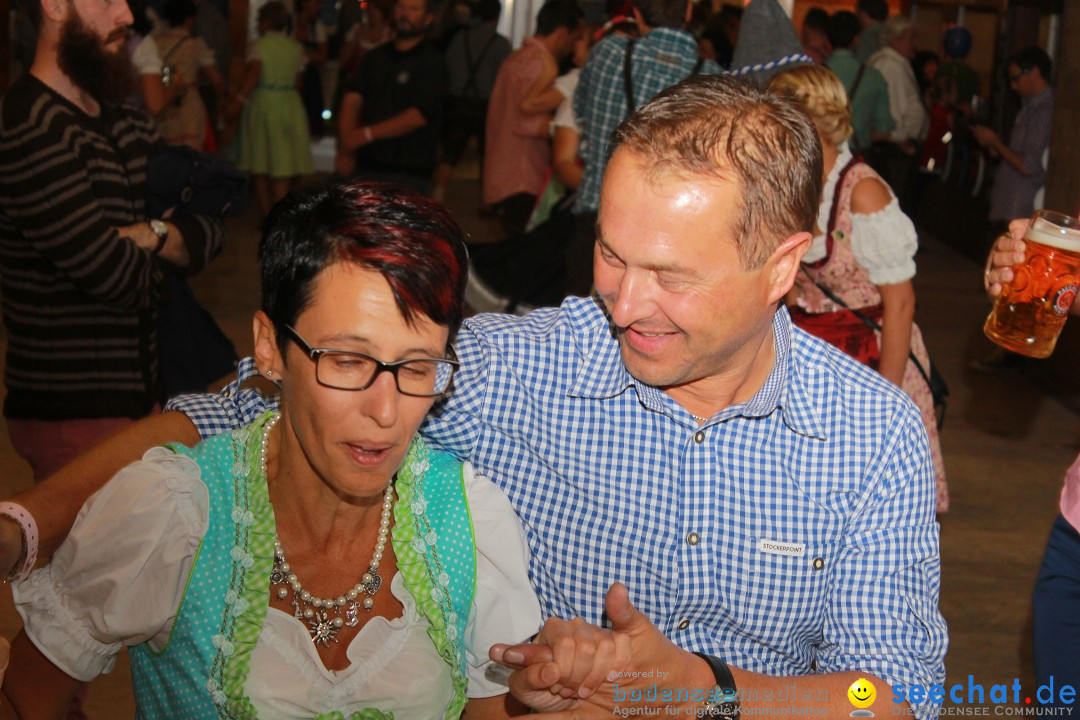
347	370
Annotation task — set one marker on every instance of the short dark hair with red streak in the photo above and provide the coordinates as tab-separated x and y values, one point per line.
407	238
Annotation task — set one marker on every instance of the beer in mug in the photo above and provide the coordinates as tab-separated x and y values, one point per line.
1031	310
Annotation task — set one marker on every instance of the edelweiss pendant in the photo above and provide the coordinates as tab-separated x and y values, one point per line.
322	629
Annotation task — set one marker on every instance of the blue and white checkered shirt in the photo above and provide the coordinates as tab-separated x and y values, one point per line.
791	534
662	58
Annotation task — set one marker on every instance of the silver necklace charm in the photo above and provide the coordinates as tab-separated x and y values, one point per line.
326	616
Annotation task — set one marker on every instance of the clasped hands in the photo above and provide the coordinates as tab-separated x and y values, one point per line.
573	669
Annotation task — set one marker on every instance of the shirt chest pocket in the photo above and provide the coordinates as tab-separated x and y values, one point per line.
784	587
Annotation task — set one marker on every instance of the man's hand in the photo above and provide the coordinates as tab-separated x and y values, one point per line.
344	163
141	234
1007	251
986	137
653	660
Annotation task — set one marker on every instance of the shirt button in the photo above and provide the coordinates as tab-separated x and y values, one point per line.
693	538
818	563
684	624
699	437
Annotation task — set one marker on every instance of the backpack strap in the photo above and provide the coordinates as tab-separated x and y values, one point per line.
173	49
857	146
628	83
858	79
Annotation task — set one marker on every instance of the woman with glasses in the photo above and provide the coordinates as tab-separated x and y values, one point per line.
323	561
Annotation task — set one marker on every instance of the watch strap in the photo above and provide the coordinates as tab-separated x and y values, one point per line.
162	231
724	679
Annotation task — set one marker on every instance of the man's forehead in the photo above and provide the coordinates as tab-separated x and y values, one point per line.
625	203
658	173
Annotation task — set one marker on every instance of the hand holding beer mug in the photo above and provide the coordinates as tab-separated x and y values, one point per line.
1031	309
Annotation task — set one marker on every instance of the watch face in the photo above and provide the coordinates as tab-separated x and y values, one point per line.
723	704
729	709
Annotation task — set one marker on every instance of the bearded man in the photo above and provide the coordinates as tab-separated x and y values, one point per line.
391	113
80	264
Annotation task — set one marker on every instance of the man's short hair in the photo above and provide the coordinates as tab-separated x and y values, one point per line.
761	142
488	10
1032	57
557	14
894	27
662	13
176	12
816	19
274	14
875	9
842	29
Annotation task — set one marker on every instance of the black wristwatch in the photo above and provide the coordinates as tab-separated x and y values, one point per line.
723	701
162	231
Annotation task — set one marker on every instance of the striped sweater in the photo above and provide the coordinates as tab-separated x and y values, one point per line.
78	300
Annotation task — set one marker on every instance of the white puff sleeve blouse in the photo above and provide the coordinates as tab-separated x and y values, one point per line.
119	578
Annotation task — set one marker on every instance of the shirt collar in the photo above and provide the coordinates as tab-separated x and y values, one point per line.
794	395
674	35
1044	96
603	375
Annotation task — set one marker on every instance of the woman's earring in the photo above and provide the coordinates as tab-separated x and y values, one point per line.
269	373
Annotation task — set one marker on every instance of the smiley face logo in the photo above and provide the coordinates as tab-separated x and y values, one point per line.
862	693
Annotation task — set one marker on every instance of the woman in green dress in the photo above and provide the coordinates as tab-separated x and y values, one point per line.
273	142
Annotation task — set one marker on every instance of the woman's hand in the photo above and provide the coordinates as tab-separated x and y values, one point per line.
566	667
11	548
1008	251
567	661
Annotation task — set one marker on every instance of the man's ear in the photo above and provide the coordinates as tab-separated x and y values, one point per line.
55	10
268	357
783	265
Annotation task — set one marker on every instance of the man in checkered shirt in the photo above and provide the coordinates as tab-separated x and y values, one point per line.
665	53
763	498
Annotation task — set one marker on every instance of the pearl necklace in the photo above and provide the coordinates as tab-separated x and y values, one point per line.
699	418
326	616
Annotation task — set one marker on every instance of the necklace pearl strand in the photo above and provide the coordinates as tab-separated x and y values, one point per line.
326	616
